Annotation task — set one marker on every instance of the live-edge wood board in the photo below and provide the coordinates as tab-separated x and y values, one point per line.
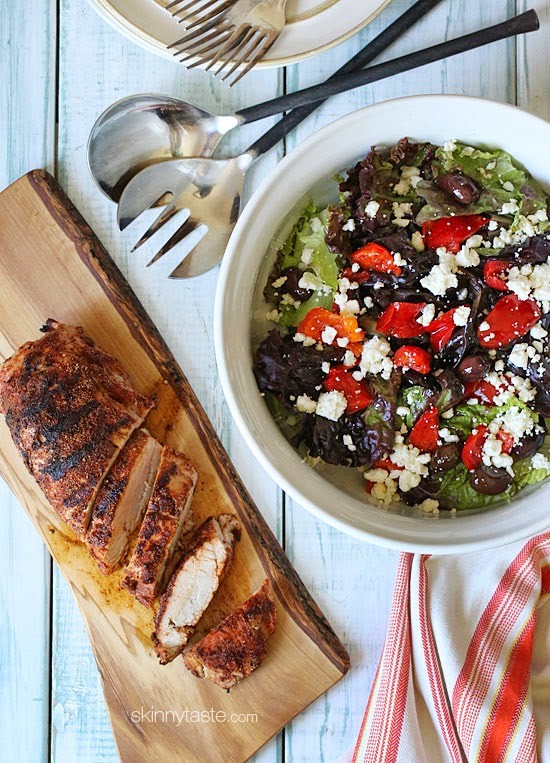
53	266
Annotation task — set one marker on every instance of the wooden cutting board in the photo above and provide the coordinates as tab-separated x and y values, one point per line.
53	266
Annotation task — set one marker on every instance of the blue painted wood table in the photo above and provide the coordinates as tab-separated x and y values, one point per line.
60	66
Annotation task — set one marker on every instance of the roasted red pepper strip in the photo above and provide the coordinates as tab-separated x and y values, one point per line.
483	391
473	448
441	329
385	463
361	276
424	434
376	257
414	358
451	232
492	272
357	393
399	319
509	319
318	318
472	452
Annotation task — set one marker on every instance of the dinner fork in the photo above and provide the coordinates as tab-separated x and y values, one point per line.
232	33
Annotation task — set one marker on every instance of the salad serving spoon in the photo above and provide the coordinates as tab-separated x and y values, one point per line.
211	190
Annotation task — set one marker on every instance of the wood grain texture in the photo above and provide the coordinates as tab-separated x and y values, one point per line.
27	140
305	657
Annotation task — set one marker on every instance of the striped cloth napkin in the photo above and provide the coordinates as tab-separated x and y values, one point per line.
465	670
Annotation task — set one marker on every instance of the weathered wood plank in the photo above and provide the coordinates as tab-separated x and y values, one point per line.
182	311
533	75
27	127
354	580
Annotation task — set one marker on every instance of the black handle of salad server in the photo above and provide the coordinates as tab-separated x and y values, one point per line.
367	54
525	22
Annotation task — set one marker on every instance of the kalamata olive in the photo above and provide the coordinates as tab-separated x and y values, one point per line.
490	481
445	457
459	187
528	445
473	367
293	276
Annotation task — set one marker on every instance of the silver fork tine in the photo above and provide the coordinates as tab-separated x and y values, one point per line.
204	46
245	54
196	34
232	44
189	8
260	52
167	213
240	52
185	230
213	14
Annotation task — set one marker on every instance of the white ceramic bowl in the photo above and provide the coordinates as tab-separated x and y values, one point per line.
239	313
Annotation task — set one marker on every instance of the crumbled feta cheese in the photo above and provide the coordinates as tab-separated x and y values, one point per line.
539	461
428	506
342	341
467	258
307	341
440	278
538	331
349	225
312	282
316	224
305	404
508	186
307	256
325	367
427	315
355	267
510	207
350	307
410	172
401	209
273	315
408	480
417	241
349	358
461	315
450	145
289	301
331	405
448	414
531	282
519	355
368	302
402	410
409	457
279	282
329	335
447	436
348	442
398	260
372	208
375	357
484	326
493	225
384	491
517	422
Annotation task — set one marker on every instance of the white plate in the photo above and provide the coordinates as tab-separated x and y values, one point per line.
313	25
337	495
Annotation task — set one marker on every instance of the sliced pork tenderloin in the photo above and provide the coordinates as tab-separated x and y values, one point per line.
238	645
194	583
166	520
122	499
70	409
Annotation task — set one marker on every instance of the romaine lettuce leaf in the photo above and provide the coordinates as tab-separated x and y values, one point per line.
497	175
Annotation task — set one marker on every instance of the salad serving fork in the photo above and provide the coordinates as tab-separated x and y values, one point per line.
209	191
232	33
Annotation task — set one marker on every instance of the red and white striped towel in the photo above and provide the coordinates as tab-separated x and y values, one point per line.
465	670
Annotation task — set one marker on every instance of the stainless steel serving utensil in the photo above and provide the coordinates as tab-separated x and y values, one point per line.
238	36
210	190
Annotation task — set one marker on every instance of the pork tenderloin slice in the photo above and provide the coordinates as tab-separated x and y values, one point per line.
238	645
194	583
166	518
64	418
122	499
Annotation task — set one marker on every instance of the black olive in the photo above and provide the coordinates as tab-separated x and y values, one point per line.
293	276
473	367
459	187
529	445
490	481
445	457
